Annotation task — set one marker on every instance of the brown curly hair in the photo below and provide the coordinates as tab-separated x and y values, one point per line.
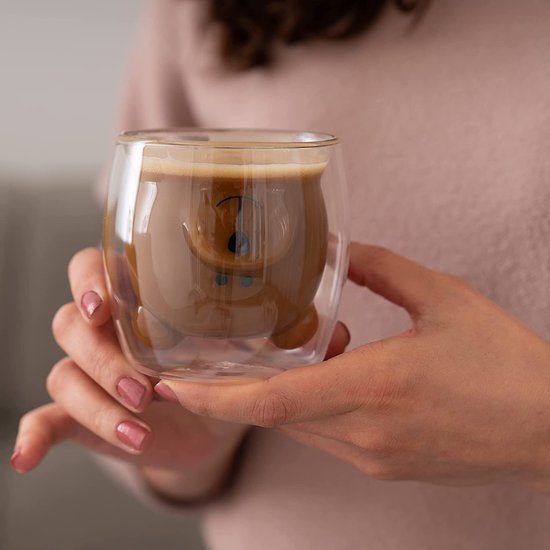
251	27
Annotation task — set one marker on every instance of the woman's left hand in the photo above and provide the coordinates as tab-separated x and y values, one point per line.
463	397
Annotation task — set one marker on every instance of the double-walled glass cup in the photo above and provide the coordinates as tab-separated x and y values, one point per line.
225	250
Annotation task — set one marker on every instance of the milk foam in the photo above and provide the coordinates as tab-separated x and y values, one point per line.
174	167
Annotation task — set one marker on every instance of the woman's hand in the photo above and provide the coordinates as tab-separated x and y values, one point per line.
101	402
104	404
461	398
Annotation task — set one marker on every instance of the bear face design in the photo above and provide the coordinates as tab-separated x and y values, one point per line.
227	254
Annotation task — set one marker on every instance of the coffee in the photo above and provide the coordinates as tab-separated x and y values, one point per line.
226	249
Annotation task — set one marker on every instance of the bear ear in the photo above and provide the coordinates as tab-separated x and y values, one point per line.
200	217
153	332
206	216
301	332
242	232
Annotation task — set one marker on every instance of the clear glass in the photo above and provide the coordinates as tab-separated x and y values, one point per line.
225	250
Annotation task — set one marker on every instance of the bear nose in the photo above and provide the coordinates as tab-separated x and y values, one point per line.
239	243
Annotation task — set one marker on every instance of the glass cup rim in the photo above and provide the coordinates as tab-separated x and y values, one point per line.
198	137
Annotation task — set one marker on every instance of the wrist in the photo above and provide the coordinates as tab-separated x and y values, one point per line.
198	481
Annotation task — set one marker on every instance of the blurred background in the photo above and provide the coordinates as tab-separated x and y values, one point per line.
61	66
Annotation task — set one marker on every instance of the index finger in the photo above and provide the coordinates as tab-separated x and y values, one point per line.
88	287
396	278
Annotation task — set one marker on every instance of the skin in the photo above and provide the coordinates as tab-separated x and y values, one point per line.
461	398
183	456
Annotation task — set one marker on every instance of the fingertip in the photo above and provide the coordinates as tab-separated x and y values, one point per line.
94	308
184	393
346	334
25	460
340	339
39	430
166	392
135	437
88	287
15	461
135	392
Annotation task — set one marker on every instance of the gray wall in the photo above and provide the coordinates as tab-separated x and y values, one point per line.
61	63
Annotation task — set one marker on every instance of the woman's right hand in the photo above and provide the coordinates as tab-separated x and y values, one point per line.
103	403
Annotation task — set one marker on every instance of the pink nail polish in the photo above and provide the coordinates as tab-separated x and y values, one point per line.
166	392
131	434
131	391
14	459
90	303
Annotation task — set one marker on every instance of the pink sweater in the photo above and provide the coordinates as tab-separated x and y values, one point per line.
446	133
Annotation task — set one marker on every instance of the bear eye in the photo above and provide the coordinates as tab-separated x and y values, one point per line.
221	279
246	281
239	243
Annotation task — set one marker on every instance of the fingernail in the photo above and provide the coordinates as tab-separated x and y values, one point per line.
14	459
131	434
90	303
131	391
166	392
347	332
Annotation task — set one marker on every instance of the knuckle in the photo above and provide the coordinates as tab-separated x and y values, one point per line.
80	257
456	287
376	255
381	471
100	421
385	392
56	377
390	382
452	281
272	410
62	320
381	443
26	420
378	252
201	408
103	359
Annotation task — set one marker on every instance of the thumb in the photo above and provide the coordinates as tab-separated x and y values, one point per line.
399	280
